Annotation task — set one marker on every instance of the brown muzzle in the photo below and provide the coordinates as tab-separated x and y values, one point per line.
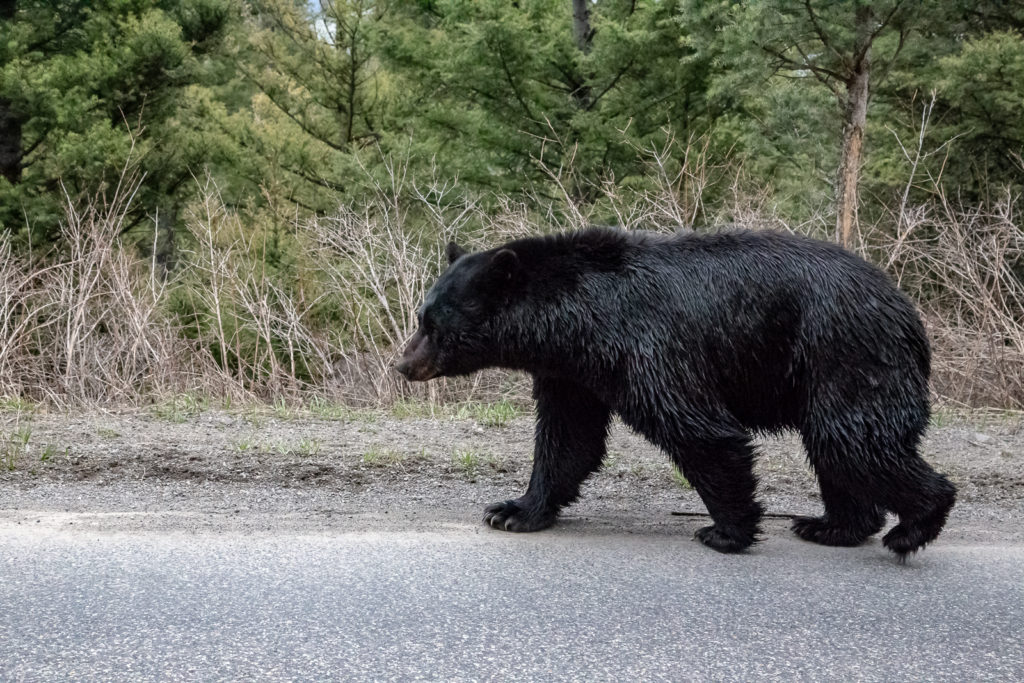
417	362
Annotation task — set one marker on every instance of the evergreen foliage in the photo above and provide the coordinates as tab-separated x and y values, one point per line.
290	104
87	86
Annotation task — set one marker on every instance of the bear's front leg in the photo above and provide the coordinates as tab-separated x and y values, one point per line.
572	426
720	468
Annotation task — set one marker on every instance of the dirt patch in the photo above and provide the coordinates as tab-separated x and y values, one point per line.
373	465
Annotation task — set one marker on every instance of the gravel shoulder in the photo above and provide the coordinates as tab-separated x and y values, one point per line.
225	472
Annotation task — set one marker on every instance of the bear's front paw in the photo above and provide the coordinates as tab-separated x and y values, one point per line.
511	515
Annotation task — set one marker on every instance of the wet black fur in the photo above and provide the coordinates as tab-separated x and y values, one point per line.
696	341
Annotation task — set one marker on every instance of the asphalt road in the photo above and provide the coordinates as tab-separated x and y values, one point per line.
466	603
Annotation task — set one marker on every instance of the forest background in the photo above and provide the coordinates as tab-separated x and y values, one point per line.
245	199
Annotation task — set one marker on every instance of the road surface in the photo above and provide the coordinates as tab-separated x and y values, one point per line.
466	603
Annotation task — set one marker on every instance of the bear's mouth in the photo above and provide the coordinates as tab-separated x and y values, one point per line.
417	373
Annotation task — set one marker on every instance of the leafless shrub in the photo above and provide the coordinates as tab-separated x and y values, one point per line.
670	195
379	265
93	321
89	324
265	338
679	176
17	318
965	268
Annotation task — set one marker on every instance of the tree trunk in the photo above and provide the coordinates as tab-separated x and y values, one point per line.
583	34
353	80
581	24
10	143
165	248
10	123
855	116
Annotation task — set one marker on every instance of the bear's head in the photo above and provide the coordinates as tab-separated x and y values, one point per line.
456	334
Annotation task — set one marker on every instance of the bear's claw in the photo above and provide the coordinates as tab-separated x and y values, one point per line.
511	516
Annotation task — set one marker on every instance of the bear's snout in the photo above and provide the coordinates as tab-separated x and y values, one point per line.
403	368
416	363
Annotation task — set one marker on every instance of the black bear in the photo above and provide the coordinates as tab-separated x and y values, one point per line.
696	341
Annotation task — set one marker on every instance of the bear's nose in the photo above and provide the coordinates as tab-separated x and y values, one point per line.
403	368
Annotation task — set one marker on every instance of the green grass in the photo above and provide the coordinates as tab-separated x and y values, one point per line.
470	462
407	408
283	411
51	451
976	418
244	445
497	414
179	408
327	409
488	414
13	444
309	446
304	446
332	410
255	418
941	417
279	446
376	456
612	460
996	417
182	407
466	460
17	404
679	480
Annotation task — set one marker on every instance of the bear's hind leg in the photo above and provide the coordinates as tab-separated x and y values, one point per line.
721	471
848	520
922	498
572	425
862	476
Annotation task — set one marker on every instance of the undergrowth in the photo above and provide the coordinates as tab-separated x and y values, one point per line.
95	320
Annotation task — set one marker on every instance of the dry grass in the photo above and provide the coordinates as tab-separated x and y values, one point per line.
95	321
964	266
379	263
88	323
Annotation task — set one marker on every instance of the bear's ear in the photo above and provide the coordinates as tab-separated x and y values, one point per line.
454	251
504	265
